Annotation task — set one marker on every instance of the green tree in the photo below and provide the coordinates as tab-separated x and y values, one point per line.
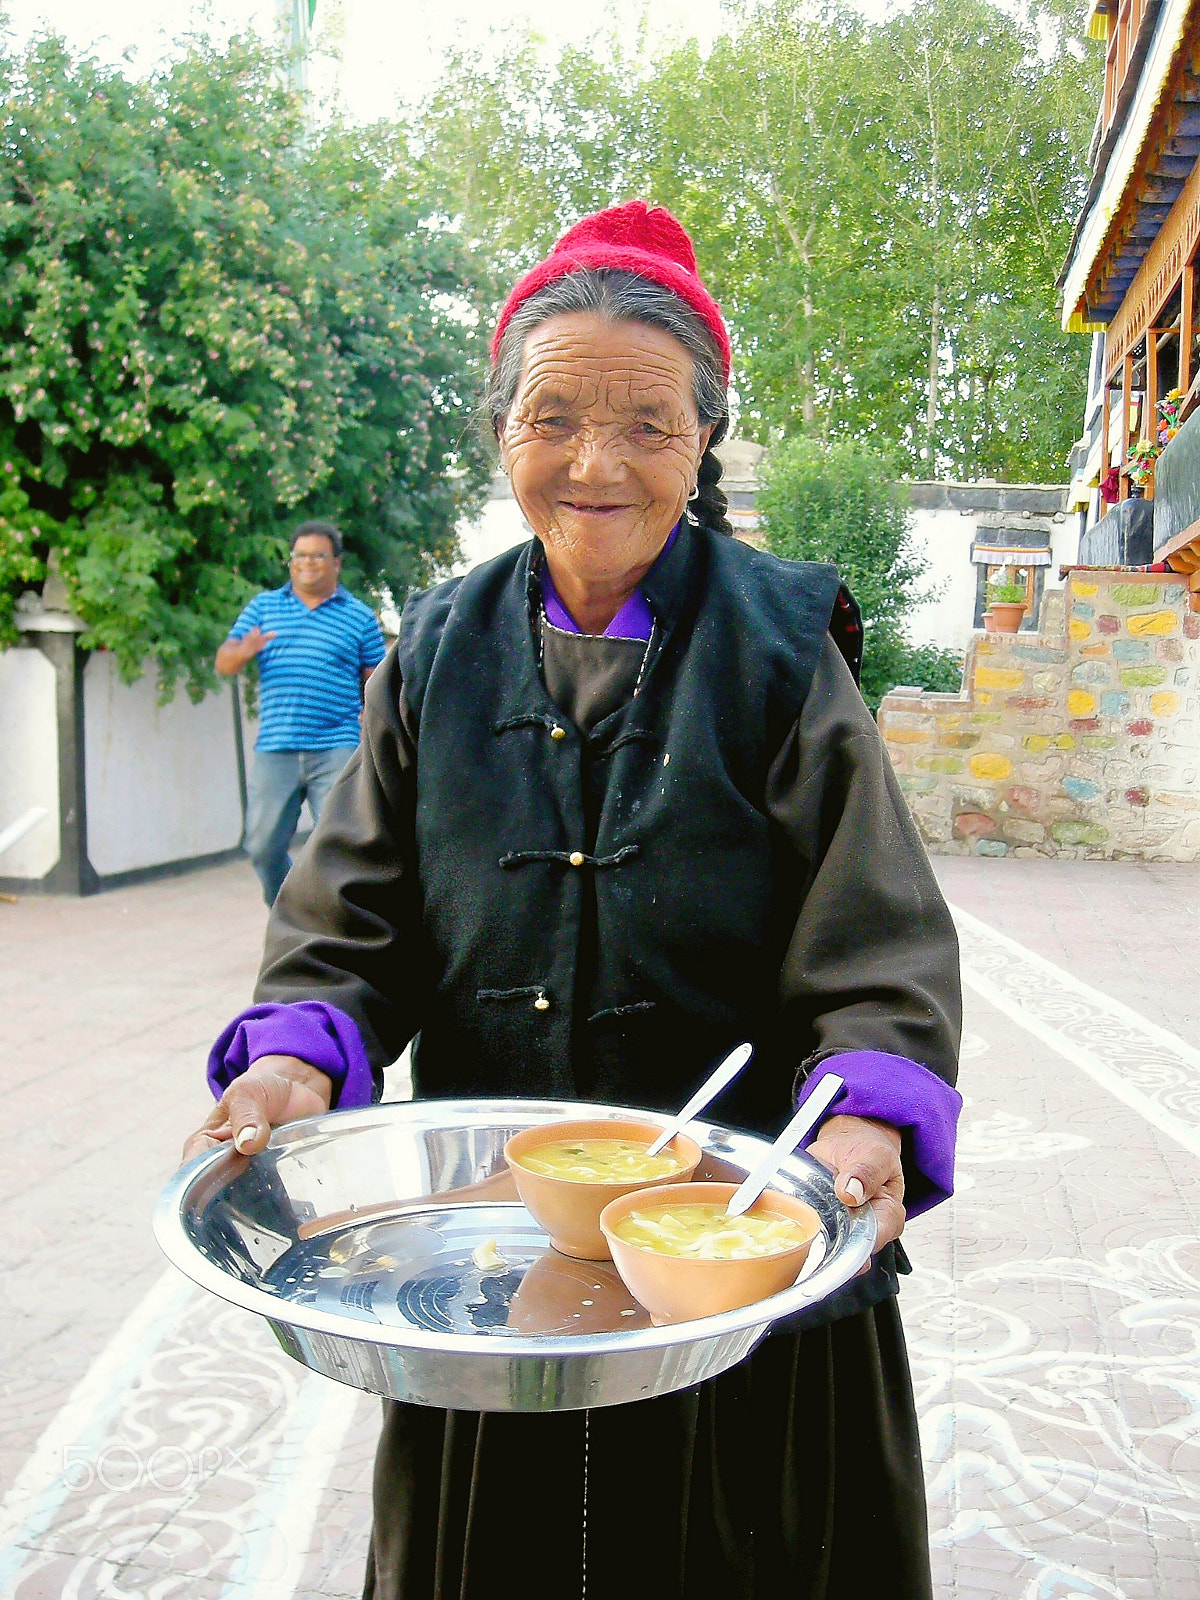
974	169
210	327
880	207
885	208
515	148
754	147
841	503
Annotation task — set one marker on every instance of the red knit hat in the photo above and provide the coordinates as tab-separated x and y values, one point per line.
634	237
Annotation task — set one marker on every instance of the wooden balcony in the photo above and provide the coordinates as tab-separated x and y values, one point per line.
1125	21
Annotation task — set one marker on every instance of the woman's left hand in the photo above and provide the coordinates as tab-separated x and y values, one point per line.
273	1090
864	1156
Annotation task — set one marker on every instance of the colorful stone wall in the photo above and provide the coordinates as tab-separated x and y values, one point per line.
1080	740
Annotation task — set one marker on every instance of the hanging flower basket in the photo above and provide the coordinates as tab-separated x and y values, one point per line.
1140	464
1169	409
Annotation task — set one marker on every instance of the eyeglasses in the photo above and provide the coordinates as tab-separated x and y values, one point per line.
295	560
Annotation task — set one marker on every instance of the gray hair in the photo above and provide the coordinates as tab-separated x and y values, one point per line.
625	297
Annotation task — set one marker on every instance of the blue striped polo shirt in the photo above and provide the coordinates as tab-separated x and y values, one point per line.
310	674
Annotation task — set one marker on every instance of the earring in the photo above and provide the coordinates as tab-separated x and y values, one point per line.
695	494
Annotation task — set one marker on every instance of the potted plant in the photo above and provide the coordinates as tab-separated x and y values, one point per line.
1007	605
1140	465
1169	408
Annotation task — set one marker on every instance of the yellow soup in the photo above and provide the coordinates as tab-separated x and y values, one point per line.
601	1161
705	1233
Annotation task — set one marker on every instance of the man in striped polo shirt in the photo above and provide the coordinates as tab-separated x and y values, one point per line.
316	647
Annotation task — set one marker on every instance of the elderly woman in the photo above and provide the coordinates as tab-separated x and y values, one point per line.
618	806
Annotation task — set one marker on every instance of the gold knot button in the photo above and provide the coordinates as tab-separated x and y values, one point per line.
577	858
558	733
541	1003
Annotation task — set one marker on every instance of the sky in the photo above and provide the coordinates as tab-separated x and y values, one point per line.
388	50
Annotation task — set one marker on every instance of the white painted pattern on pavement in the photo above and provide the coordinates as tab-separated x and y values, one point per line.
44	1482
286	1512
201	1386
1053	1319
1152	1071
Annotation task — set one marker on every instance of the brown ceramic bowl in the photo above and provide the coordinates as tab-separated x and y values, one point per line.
569	1210
680	1288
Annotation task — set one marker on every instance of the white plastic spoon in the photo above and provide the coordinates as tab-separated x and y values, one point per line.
708	1090
753	1184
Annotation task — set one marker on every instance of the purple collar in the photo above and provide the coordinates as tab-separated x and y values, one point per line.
635	620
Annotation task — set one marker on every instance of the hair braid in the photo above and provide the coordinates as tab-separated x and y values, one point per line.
710	506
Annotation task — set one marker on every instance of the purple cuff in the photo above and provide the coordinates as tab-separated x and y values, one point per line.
896	1090
316	1032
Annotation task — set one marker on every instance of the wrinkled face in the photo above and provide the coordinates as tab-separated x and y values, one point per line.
603	443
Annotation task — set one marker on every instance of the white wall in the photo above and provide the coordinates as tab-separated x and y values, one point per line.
28	759
1064	548
498	527
945	537
161	780
946	619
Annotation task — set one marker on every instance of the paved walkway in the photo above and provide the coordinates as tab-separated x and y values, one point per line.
155	1445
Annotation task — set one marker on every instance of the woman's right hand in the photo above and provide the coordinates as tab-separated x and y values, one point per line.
275	1089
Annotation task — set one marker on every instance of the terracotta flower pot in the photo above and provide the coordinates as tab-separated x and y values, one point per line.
1006	615
989	622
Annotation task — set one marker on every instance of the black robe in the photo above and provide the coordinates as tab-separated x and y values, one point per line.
798	1473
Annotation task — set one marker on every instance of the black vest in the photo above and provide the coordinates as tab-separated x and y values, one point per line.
606	916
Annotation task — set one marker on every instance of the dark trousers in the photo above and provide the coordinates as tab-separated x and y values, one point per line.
795	1476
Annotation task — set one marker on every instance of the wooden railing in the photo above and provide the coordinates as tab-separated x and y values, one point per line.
1161	272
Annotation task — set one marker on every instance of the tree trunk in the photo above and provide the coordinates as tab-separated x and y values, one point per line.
935	310
931	407
986	453
809	411
803	249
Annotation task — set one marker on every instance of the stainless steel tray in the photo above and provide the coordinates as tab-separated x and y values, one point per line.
353	1235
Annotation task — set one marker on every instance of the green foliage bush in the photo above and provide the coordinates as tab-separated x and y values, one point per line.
842	503
213	324
892	660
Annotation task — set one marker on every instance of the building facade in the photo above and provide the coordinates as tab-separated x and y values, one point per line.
1130	280
1082	737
